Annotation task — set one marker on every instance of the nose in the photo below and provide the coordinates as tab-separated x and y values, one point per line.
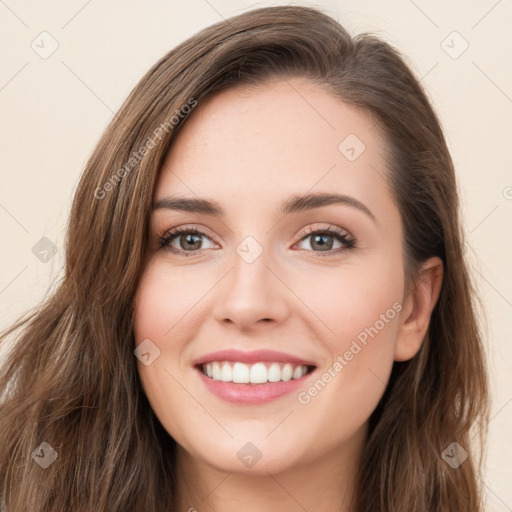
251	296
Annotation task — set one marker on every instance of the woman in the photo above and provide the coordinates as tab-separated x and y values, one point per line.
271	226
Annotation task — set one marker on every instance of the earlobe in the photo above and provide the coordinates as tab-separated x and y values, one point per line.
418	309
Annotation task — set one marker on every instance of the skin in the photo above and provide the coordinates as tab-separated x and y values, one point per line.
249	149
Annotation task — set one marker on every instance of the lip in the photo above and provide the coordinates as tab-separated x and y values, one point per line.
252	394
251	357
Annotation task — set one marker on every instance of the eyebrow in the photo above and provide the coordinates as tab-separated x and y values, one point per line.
294	204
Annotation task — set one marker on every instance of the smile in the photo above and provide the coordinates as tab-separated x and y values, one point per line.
257	373
260	383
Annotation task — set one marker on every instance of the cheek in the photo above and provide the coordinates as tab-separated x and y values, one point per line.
358	317
365	317
163	309
355	302
164	302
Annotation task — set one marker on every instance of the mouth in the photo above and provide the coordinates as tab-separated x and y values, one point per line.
253	384
254	377
255	374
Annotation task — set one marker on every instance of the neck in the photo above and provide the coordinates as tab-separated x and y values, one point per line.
326	483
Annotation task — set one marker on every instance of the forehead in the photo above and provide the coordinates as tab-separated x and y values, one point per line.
283	137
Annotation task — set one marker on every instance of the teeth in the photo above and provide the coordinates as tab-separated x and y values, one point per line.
274	373
287	372
241	373
297	373
226	373
257	373
215	371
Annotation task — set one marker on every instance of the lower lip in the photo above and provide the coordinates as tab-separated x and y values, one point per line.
252	393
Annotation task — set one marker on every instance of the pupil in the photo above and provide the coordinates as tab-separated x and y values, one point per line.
190	240
323	244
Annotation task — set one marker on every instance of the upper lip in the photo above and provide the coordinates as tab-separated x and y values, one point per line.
251	357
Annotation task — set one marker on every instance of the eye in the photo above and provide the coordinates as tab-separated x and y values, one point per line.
322	240
187	239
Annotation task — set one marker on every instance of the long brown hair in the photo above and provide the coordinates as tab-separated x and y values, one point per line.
71	379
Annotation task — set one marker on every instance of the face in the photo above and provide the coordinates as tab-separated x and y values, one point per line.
314	285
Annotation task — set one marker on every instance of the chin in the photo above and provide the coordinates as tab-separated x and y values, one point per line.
250	458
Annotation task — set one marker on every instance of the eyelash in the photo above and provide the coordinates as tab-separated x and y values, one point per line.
347	240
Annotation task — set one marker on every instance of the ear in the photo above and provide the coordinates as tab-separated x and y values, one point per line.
415	316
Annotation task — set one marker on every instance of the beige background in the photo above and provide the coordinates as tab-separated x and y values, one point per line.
54	107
